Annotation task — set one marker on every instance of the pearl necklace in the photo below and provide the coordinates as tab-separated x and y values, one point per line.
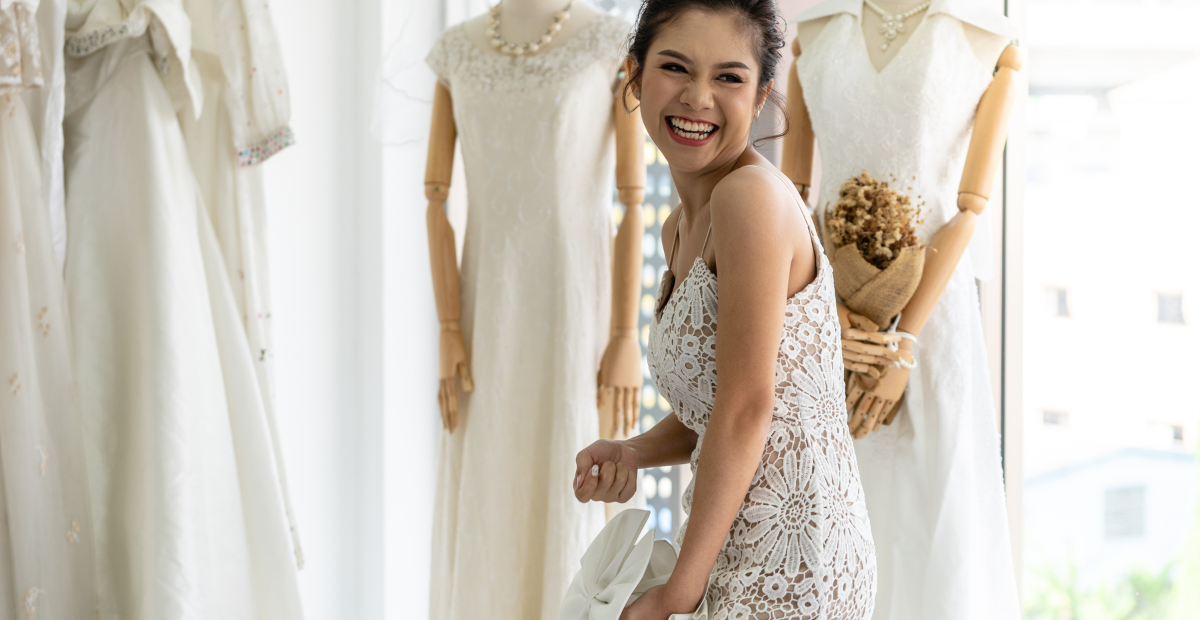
532	47
894	24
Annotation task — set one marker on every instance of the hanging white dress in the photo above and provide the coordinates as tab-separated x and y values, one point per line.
189	512
46	560
932	479
537	141
243	121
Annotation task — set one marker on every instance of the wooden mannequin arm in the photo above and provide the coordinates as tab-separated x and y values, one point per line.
453	361
631	191
983	158
620	378
990	133
798	143
439	164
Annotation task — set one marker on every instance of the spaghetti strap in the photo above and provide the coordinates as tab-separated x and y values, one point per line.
705	246
674	243
812	225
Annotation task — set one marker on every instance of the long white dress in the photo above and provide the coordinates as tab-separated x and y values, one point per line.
46	562
800	547
536	136
932	478
189	512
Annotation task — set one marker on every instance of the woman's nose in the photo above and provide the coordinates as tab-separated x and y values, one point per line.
697	95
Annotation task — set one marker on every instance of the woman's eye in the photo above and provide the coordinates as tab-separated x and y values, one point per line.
674	67
731	78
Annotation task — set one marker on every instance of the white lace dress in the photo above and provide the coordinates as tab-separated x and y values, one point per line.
537	142
932	478
47	567
800	547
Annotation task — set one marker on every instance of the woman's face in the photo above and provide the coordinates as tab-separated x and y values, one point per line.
700	89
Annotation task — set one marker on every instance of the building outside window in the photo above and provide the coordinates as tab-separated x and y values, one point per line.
1109	501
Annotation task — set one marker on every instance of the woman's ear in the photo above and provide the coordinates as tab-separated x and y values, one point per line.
631	86
762	97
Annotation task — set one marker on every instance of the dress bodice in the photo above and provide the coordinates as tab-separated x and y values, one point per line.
801	543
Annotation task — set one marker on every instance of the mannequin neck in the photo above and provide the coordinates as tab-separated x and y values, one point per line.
521	9
894	6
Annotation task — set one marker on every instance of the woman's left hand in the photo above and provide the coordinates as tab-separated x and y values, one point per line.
653	605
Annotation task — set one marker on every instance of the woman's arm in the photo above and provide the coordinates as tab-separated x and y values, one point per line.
755	242
668	443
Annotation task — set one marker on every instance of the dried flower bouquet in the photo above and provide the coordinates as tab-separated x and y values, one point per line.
877	258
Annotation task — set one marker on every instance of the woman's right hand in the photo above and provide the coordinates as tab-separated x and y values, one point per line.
606	471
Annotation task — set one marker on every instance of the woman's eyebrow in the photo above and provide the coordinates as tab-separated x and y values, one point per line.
675	54
723	65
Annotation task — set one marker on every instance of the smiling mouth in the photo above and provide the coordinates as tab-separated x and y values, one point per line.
691	130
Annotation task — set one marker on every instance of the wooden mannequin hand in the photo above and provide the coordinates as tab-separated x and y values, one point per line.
452	362
616	472
863	349
619	385
872	402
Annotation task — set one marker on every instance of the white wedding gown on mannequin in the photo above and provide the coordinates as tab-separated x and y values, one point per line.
189	511
932	478
537	142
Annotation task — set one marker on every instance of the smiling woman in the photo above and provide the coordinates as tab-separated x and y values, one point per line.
777	523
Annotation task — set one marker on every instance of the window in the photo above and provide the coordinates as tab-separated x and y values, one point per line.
1057	298
1051	417
1106	510
1125	512
1170	308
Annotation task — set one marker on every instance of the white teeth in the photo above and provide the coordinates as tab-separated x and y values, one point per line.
692	126
692	130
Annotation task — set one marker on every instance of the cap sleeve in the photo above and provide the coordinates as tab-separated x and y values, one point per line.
443	58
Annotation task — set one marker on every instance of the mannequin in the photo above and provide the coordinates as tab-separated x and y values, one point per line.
875	401
620	376
528	329
930	109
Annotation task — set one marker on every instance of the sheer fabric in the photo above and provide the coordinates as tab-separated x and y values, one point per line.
47	567
932	478
800	546
536	136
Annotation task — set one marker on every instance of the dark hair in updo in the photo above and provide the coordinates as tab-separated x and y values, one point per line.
760	16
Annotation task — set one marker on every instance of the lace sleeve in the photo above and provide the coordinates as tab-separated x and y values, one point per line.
443	57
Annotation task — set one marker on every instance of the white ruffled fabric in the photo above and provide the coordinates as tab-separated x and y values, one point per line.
618	568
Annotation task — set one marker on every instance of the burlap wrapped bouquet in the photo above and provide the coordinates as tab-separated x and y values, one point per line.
877	257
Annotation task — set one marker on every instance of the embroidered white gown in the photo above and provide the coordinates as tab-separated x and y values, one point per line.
47	567
536	137
800	547
932	479
189	512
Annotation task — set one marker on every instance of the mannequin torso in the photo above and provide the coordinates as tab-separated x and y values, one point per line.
987	46
526	20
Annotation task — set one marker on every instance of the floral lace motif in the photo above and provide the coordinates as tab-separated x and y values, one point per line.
458	61
20	51
801	545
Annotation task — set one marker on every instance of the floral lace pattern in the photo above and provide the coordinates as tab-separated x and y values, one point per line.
801	545
457	60
20	52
